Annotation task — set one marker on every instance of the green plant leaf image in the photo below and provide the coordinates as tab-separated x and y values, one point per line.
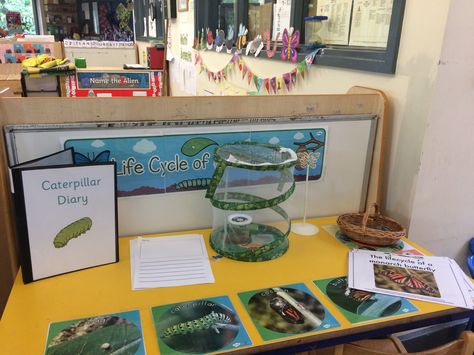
195	145
97	335
73	230
286	310
197	327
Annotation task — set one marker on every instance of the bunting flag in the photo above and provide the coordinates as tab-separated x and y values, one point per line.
287	80
272	85
267	85
259	84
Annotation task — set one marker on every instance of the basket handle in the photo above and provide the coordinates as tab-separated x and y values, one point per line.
373	207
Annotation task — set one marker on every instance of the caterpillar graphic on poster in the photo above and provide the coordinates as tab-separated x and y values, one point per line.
212	320
72	230
198	182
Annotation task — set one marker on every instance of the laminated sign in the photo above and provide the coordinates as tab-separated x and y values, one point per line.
66	215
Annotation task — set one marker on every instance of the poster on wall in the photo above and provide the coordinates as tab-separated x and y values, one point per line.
116	20
119	333
177	163
361	306
283	311
199	327
16	53
114	83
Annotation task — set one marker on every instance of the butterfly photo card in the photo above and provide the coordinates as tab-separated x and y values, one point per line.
66	214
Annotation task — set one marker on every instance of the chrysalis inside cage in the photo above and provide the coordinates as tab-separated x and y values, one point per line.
250	182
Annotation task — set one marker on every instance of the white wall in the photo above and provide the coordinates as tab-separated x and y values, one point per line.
410	91
443	208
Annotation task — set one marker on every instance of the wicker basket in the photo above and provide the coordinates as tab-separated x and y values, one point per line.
371	228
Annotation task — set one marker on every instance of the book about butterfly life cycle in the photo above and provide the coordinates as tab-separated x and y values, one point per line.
428	278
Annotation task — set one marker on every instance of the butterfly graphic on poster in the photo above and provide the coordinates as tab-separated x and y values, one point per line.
290	42
409	281
102	157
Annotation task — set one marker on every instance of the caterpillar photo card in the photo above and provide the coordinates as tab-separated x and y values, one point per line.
199	327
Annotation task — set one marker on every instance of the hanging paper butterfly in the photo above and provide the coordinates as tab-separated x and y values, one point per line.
219	41
409	281
241	37
210	40
229	41
102	157
289	45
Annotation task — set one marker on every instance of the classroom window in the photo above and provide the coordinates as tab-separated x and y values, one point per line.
149	23
17	16
359	34
110	20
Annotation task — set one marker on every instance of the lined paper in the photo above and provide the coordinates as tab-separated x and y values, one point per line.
169	261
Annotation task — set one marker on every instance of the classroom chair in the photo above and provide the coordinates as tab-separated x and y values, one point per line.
464	345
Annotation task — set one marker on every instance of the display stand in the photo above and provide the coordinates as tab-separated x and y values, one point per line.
305	228
64	110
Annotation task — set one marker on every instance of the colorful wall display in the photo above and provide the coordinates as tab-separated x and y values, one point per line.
17	52
104	334
177	163
361	306
114	83
199	327
283	311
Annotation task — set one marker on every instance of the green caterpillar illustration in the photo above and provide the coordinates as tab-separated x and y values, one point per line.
199	182
73	230
206	322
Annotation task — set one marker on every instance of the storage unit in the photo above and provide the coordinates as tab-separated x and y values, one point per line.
60	18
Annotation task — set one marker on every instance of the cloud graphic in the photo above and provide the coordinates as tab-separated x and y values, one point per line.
274	140
144	146
97	143
298	135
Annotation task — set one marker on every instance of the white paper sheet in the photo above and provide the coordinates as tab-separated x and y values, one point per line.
169	261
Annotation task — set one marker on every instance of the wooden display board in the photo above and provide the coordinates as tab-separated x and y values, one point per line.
358	101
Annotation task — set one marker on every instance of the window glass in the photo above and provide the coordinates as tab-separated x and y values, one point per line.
26	11
226	14
260	16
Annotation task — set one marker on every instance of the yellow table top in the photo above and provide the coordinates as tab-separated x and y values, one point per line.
107	289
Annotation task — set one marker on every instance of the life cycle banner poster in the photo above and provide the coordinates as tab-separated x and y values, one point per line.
199	327
283	311
177	163
361	306
116	333
66	217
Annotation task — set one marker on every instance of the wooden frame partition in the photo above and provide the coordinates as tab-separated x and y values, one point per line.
358	100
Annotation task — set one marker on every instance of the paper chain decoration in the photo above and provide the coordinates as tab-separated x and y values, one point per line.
272	85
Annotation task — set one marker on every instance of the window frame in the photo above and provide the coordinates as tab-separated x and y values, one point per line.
370	59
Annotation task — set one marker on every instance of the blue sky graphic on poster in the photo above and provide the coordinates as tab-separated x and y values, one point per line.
174	163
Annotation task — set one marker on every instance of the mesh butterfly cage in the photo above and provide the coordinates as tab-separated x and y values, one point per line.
250	182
